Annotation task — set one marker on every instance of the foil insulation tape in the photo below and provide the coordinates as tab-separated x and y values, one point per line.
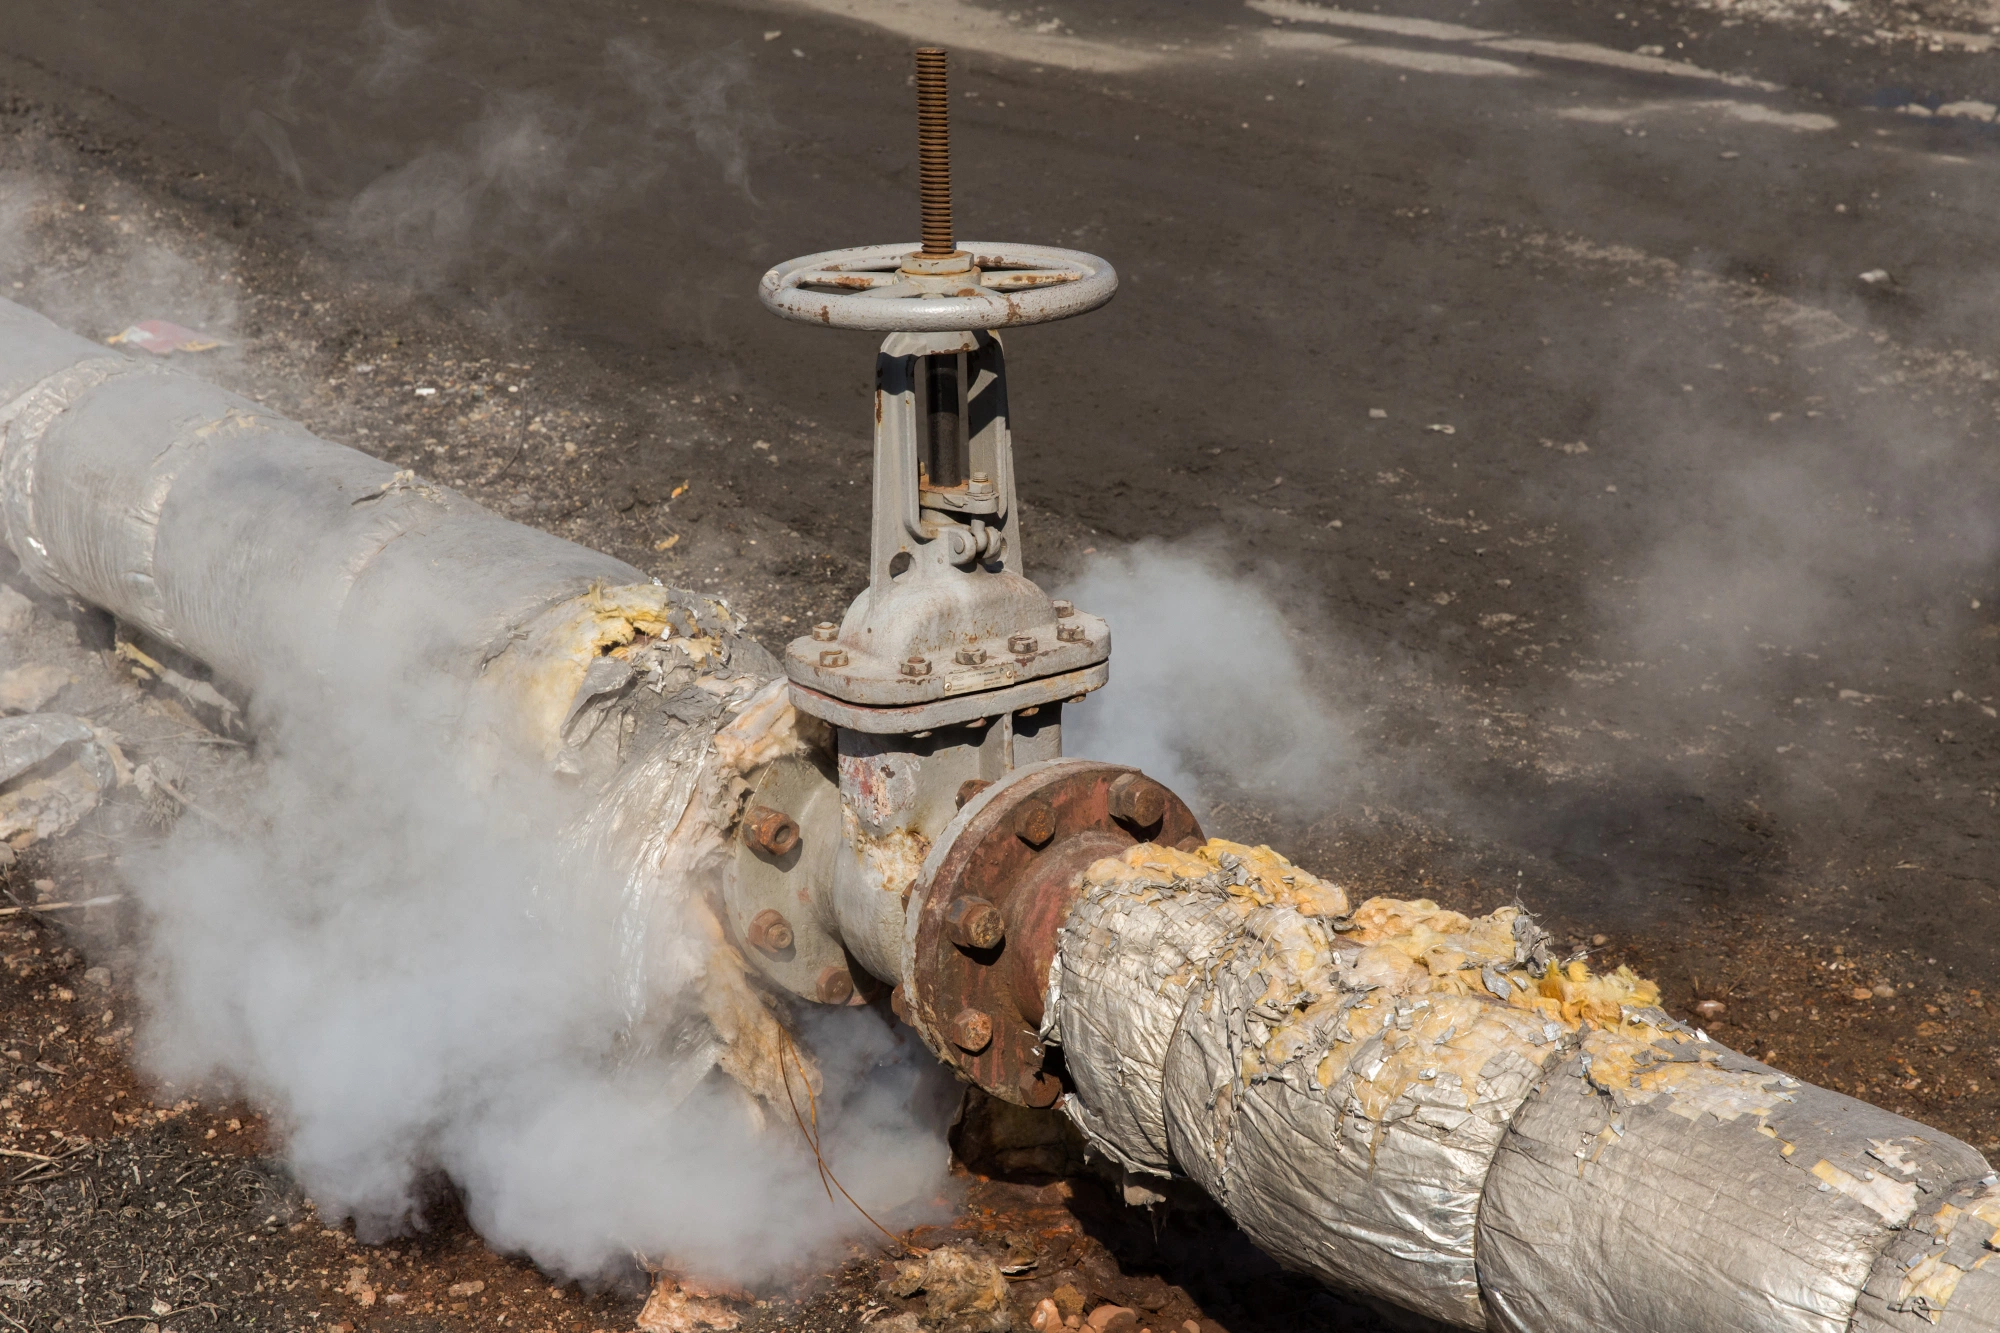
1434	1110
1723	1195
1128	961
241	538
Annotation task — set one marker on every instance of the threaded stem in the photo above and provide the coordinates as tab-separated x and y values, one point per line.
934	150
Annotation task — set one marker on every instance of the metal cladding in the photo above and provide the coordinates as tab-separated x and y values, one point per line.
237	536
1430	1108
1816	1186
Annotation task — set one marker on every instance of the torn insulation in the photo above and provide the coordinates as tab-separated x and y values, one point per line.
1430	1107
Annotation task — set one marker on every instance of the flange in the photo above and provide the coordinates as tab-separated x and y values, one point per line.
998	884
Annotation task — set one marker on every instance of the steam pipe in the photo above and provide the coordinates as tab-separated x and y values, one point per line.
1400	1100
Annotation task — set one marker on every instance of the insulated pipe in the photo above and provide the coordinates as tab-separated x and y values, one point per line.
1399	1100
1403	1101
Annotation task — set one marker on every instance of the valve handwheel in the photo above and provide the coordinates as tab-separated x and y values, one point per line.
937	286
898	289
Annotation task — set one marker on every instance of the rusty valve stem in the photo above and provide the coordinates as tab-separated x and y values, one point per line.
934	151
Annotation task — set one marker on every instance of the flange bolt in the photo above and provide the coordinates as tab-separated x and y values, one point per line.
769	932
825	631
970	788
1070	633
1035	823
916	666
771	831
1022	644
971	1031
1038	1089
971	656
973	922
1064	610
833	657
1137	800
834	986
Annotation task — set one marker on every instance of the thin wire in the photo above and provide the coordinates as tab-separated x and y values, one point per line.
811	1134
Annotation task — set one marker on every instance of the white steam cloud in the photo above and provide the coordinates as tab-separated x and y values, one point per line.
412	981
1210	678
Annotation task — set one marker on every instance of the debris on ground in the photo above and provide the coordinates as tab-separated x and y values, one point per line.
163	337
963	1290
677	1305
31	688
53	767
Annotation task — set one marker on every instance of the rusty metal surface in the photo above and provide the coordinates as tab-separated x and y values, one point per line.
871	287
1007	870
934	148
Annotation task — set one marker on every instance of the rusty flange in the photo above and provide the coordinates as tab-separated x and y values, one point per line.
991	897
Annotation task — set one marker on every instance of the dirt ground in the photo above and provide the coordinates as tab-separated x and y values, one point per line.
1633	298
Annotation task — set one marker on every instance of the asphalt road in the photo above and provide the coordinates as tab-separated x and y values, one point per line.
1644	542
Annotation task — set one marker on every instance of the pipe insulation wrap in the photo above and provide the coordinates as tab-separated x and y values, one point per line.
242	539
1431	1108
296	568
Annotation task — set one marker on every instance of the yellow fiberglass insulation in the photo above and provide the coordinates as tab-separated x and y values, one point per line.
1432	1107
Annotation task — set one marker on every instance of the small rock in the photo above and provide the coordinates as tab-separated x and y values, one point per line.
460	1290
1710	1009
1600	940
7	857
100	977
1861	993
15	611
1069	1299
1046	1317
1884	992
1875	277
1113	1319
29	689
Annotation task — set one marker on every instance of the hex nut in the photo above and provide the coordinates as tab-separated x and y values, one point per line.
769	932
1137	800
973	922
770	831
1070	633
970	656
916	666
970	788
1064	610
1038	1089
825	631
833	657
1022	644
1035	823
972	1031
834	986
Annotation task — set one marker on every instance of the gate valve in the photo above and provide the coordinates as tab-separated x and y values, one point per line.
933	640
940	845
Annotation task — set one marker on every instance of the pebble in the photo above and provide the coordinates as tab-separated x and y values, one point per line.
1113	1319
1710	1009
1884	992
